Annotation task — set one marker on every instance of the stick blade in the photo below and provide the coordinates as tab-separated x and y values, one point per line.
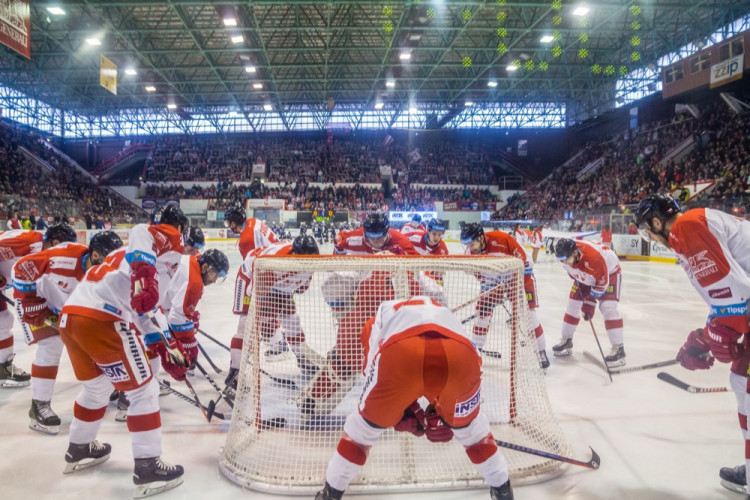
595	461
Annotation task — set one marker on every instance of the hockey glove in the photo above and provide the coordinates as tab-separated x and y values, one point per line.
189	345
144	288
35	311
435	429
723	341
196	319
695	352
412	420
175	370
589	308
3	282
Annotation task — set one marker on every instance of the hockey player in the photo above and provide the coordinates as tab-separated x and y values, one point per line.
105	350
712	248
417	348
42	283
501	243
194	241
275	291
413	226
354	297
596	277
429	242
253	233
13	245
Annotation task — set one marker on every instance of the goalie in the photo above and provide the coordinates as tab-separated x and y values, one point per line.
418	348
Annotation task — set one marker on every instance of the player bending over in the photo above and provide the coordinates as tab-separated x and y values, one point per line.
712	248
595	270
42	283
253	233
415	348
492	285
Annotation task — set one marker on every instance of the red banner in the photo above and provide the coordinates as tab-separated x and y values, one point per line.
15	26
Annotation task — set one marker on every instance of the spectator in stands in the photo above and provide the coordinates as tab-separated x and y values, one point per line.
26	224
632	229
607	237
89	221
99	224
41	224
13	222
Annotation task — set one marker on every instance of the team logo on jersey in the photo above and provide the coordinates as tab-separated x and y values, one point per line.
63	285
721	293
701	266
112	309
29	270
466	408
62	263
729	310
115	372
6	253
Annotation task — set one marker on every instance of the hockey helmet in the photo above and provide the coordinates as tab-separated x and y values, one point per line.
376	226
416	218
564	248
61	232
305	245
470	232
194	237
171	215
216	260
104	243
234	216
661	206
436	225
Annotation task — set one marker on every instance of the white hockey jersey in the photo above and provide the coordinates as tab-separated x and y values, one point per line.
183	295
594	267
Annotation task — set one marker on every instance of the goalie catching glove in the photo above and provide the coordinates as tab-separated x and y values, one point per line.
724	342
144	287
35	311
695	352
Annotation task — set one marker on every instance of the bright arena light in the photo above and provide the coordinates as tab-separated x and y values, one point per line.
581	10
56	11
257	86
93	41
492	84
268	107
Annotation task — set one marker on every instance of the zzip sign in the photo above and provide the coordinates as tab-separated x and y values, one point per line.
727	71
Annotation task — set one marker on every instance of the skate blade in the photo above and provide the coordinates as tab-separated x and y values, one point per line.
44	429
14	384
564	352
81	465
147	490
737	488
121	416
615	364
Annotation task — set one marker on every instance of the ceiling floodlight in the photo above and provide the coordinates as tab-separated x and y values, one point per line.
250	69
390	83
130	71
150	88
511	67
230	21
257	86
268	107
492	83
547	39
238	39
581	11
93	41
171	105
415	38
233	114
405	56
378	105
412	110
56	11
468	104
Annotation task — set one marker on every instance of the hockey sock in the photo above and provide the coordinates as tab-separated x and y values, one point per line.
44	368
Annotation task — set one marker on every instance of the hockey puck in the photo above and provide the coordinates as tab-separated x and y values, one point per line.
210	409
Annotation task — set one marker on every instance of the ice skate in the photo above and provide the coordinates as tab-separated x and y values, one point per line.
616	356
11	376
563	348
83	456
164	386
543	359
502	492
152	476
275	351
733	478
122	408
309	361
329	493
43	418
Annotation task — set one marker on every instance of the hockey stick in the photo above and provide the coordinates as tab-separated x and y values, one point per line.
600	350
659	364
666	377
216	341
593	463
466	320
187	398
177	357
198	401
208	358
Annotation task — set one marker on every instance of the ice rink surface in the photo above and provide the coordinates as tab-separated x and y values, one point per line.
655	440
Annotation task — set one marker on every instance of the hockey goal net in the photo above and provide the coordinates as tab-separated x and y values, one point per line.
277	444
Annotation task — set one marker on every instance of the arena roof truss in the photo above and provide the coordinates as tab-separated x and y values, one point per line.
303	65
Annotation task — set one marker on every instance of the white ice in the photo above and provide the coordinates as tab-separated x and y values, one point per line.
655	441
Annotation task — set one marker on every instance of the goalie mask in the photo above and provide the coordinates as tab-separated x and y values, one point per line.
661	206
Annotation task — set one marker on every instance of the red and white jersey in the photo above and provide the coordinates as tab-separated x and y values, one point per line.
183	295
104	293
410	228
399	319
283	282
536	239
712	247
255	234
14	245
51	274
596	264
419	240
353	243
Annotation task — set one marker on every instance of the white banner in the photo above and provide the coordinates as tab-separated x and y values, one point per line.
194	207
406	216
259	169
727	71
627	244
263	203
659	250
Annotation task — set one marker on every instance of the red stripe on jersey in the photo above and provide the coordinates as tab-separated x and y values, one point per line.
143	423
743	418
6	343
87	414
354	452
48	372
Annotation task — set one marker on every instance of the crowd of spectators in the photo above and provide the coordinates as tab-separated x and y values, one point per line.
632	166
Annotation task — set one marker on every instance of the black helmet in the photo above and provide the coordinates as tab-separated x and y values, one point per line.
436	225
104	243
216	259
661	206
171	215
235	216
564	248
305	245
376	225
194	237
470	232
61	232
